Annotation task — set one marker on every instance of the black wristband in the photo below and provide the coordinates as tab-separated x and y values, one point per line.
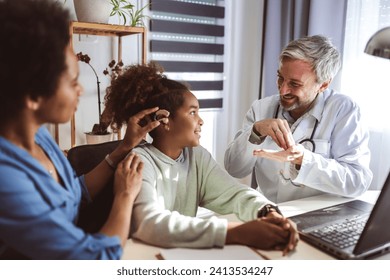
266	209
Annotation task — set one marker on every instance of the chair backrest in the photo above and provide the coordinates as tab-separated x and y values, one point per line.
84	158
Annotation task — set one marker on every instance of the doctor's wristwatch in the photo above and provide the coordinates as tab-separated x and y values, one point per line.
263	212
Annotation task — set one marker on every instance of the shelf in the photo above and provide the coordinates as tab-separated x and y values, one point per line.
88	28
102	29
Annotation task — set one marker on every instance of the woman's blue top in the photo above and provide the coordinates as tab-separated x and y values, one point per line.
38	215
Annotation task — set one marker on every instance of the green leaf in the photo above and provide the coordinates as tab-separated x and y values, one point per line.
124	9
124	19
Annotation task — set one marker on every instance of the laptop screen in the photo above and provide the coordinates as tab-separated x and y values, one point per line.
377	230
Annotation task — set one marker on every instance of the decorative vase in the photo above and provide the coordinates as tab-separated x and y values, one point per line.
96	138
92	10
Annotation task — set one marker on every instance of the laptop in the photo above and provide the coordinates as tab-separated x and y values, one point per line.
351	230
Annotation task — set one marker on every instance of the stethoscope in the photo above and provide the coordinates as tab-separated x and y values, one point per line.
307	140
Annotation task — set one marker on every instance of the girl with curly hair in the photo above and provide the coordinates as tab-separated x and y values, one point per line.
180	175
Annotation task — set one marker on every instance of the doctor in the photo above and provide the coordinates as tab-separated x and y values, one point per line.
309	139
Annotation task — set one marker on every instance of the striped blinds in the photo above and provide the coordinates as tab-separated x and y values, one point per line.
187	39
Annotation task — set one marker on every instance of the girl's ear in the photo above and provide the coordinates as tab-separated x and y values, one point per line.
165	126
162	116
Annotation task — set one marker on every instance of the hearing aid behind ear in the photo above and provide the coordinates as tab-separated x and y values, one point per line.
161	115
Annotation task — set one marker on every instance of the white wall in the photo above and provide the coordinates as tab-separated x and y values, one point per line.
242	68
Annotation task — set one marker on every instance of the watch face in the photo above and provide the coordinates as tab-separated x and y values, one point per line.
268	209
264	211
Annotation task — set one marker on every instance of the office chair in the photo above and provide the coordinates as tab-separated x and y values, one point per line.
84	158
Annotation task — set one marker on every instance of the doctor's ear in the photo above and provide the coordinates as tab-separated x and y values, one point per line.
324	85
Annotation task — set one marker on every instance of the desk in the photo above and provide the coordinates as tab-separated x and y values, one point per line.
137	250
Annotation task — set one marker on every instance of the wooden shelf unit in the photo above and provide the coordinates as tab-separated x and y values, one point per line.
101	29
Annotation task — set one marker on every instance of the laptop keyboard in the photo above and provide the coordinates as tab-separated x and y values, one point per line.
342	235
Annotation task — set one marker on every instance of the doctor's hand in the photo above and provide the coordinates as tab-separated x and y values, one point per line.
293	154
277	129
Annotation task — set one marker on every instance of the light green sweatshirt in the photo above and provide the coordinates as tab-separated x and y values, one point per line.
165	209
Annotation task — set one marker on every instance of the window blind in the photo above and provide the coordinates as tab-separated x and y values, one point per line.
187	39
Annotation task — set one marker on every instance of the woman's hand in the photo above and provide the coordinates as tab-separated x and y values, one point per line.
128	176
136	132
127	184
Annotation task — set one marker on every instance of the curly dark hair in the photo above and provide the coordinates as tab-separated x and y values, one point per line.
35	34
140	87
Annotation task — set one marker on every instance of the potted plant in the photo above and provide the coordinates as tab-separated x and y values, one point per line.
99	131
103	9
92	10
124	9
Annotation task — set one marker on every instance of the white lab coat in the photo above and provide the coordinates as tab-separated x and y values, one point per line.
339	165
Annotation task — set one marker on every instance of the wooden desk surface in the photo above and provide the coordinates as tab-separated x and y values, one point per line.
136	250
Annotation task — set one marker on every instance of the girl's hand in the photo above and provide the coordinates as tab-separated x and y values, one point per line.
287	225
259	233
